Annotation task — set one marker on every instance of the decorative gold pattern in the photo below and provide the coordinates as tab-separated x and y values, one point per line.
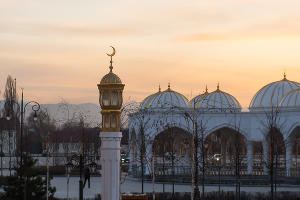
110	78
167	98
291	99
215	100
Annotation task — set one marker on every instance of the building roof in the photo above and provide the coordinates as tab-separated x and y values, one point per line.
110	78
271	94
88	135
217	100
166	99
291	99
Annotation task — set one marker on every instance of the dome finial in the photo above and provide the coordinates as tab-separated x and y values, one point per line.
206	90
169	87
111	55
284	76
159	90
218	86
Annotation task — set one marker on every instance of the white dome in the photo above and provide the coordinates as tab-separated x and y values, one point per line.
165	99
271	94
218	101
291	99
198	98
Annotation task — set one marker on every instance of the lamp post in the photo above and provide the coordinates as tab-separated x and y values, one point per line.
80	163
69	167
204	150
218	160
35	107
47	166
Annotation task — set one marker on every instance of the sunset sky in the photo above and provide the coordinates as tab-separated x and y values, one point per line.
57	48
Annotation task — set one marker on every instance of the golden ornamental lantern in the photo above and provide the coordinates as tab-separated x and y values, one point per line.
111	99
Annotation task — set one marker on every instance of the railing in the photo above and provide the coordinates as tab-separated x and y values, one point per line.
135	197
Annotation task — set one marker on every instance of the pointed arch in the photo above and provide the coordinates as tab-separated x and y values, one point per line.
227	125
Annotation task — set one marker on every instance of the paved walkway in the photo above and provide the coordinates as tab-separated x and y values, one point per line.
135	186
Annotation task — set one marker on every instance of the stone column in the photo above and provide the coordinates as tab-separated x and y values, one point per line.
249	156
110	162
288	156
265	156
148	162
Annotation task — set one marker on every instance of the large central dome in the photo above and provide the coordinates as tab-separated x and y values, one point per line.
165	99
271	94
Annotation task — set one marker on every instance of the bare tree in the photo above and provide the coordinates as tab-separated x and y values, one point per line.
143	122
2	142
197	127
11	110
39	129
275	144
238	144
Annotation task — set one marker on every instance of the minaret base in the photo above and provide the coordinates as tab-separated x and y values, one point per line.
110	163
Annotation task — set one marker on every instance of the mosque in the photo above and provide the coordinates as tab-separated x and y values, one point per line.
270	128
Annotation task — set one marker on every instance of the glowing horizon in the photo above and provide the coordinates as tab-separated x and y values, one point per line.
57	49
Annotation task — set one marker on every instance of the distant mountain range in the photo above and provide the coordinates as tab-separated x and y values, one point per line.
62	112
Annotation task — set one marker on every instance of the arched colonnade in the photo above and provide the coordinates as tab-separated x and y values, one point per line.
174	143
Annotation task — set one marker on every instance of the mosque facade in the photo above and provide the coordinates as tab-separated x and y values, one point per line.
269	131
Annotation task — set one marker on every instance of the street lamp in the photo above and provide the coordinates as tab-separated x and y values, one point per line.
79	163
93	166
218	160
69	167
35	107
204	152
8	117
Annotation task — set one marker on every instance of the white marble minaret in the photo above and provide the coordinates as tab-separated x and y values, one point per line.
110	90
110	162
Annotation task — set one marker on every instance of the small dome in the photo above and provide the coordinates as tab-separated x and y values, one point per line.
291	99
218	101
110	78
271	94
198	98
165	99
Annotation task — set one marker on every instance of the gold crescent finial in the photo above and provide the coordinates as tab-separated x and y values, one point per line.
111	55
